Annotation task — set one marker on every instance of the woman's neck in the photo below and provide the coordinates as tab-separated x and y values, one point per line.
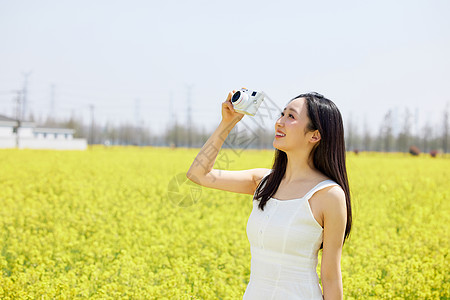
299	167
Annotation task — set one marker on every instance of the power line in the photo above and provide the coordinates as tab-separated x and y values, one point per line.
52	100
18	101
91	134
189	115
25	93
172	116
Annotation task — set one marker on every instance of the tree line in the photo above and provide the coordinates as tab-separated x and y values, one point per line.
431	137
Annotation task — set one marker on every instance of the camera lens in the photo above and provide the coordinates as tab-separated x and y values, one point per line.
236	96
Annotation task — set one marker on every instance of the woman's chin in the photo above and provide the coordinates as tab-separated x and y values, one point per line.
277	145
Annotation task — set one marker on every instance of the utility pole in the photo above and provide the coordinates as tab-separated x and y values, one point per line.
91	135
18	101
445	133
189	115
416	139
172	140
52	101
137	134
25	94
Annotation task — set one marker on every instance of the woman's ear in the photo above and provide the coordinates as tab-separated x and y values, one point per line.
315	137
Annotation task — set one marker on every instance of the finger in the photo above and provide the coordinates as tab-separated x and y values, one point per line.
229	96
227	105
230	106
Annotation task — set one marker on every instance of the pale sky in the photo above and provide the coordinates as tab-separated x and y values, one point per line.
123	55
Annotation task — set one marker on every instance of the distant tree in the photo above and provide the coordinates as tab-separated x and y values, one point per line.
404	138
386	132
445	130
177	135
349	139
426	138
353	138
367	138
204	136
77	124
260	138
127	134
50	122
31	117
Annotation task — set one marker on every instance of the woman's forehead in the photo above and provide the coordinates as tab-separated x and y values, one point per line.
297	104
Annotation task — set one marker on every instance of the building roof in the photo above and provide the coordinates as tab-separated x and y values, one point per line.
53	130
7	119
10	122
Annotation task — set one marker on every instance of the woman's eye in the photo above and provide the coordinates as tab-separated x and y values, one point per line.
290	115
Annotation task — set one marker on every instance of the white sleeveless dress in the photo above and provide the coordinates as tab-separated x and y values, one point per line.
284	241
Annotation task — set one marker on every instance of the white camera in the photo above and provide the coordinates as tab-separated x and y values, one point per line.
247	102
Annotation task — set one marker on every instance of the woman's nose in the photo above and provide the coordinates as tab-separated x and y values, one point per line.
280	122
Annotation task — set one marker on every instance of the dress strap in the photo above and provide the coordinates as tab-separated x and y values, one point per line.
319	186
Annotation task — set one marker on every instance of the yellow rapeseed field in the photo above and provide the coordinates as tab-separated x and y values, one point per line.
122	222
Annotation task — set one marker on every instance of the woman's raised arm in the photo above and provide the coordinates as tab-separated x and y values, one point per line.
201	170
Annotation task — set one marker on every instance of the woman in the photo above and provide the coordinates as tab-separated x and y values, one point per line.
301	205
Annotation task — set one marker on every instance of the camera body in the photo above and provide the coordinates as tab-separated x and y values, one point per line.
247	102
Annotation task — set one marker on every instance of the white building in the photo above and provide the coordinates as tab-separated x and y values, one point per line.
28	136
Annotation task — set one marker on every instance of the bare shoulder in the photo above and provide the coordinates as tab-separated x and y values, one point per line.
259	173
332	199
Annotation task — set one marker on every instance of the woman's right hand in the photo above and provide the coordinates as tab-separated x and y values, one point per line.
229	115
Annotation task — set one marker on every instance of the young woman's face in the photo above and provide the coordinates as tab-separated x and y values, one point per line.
291	128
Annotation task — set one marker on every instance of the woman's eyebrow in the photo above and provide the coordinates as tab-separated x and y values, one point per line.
290	108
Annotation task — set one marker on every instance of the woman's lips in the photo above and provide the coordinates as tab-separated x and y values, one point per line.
279	134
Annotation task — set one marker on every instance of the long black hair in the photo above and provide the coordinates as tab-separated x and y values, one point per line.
328	155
